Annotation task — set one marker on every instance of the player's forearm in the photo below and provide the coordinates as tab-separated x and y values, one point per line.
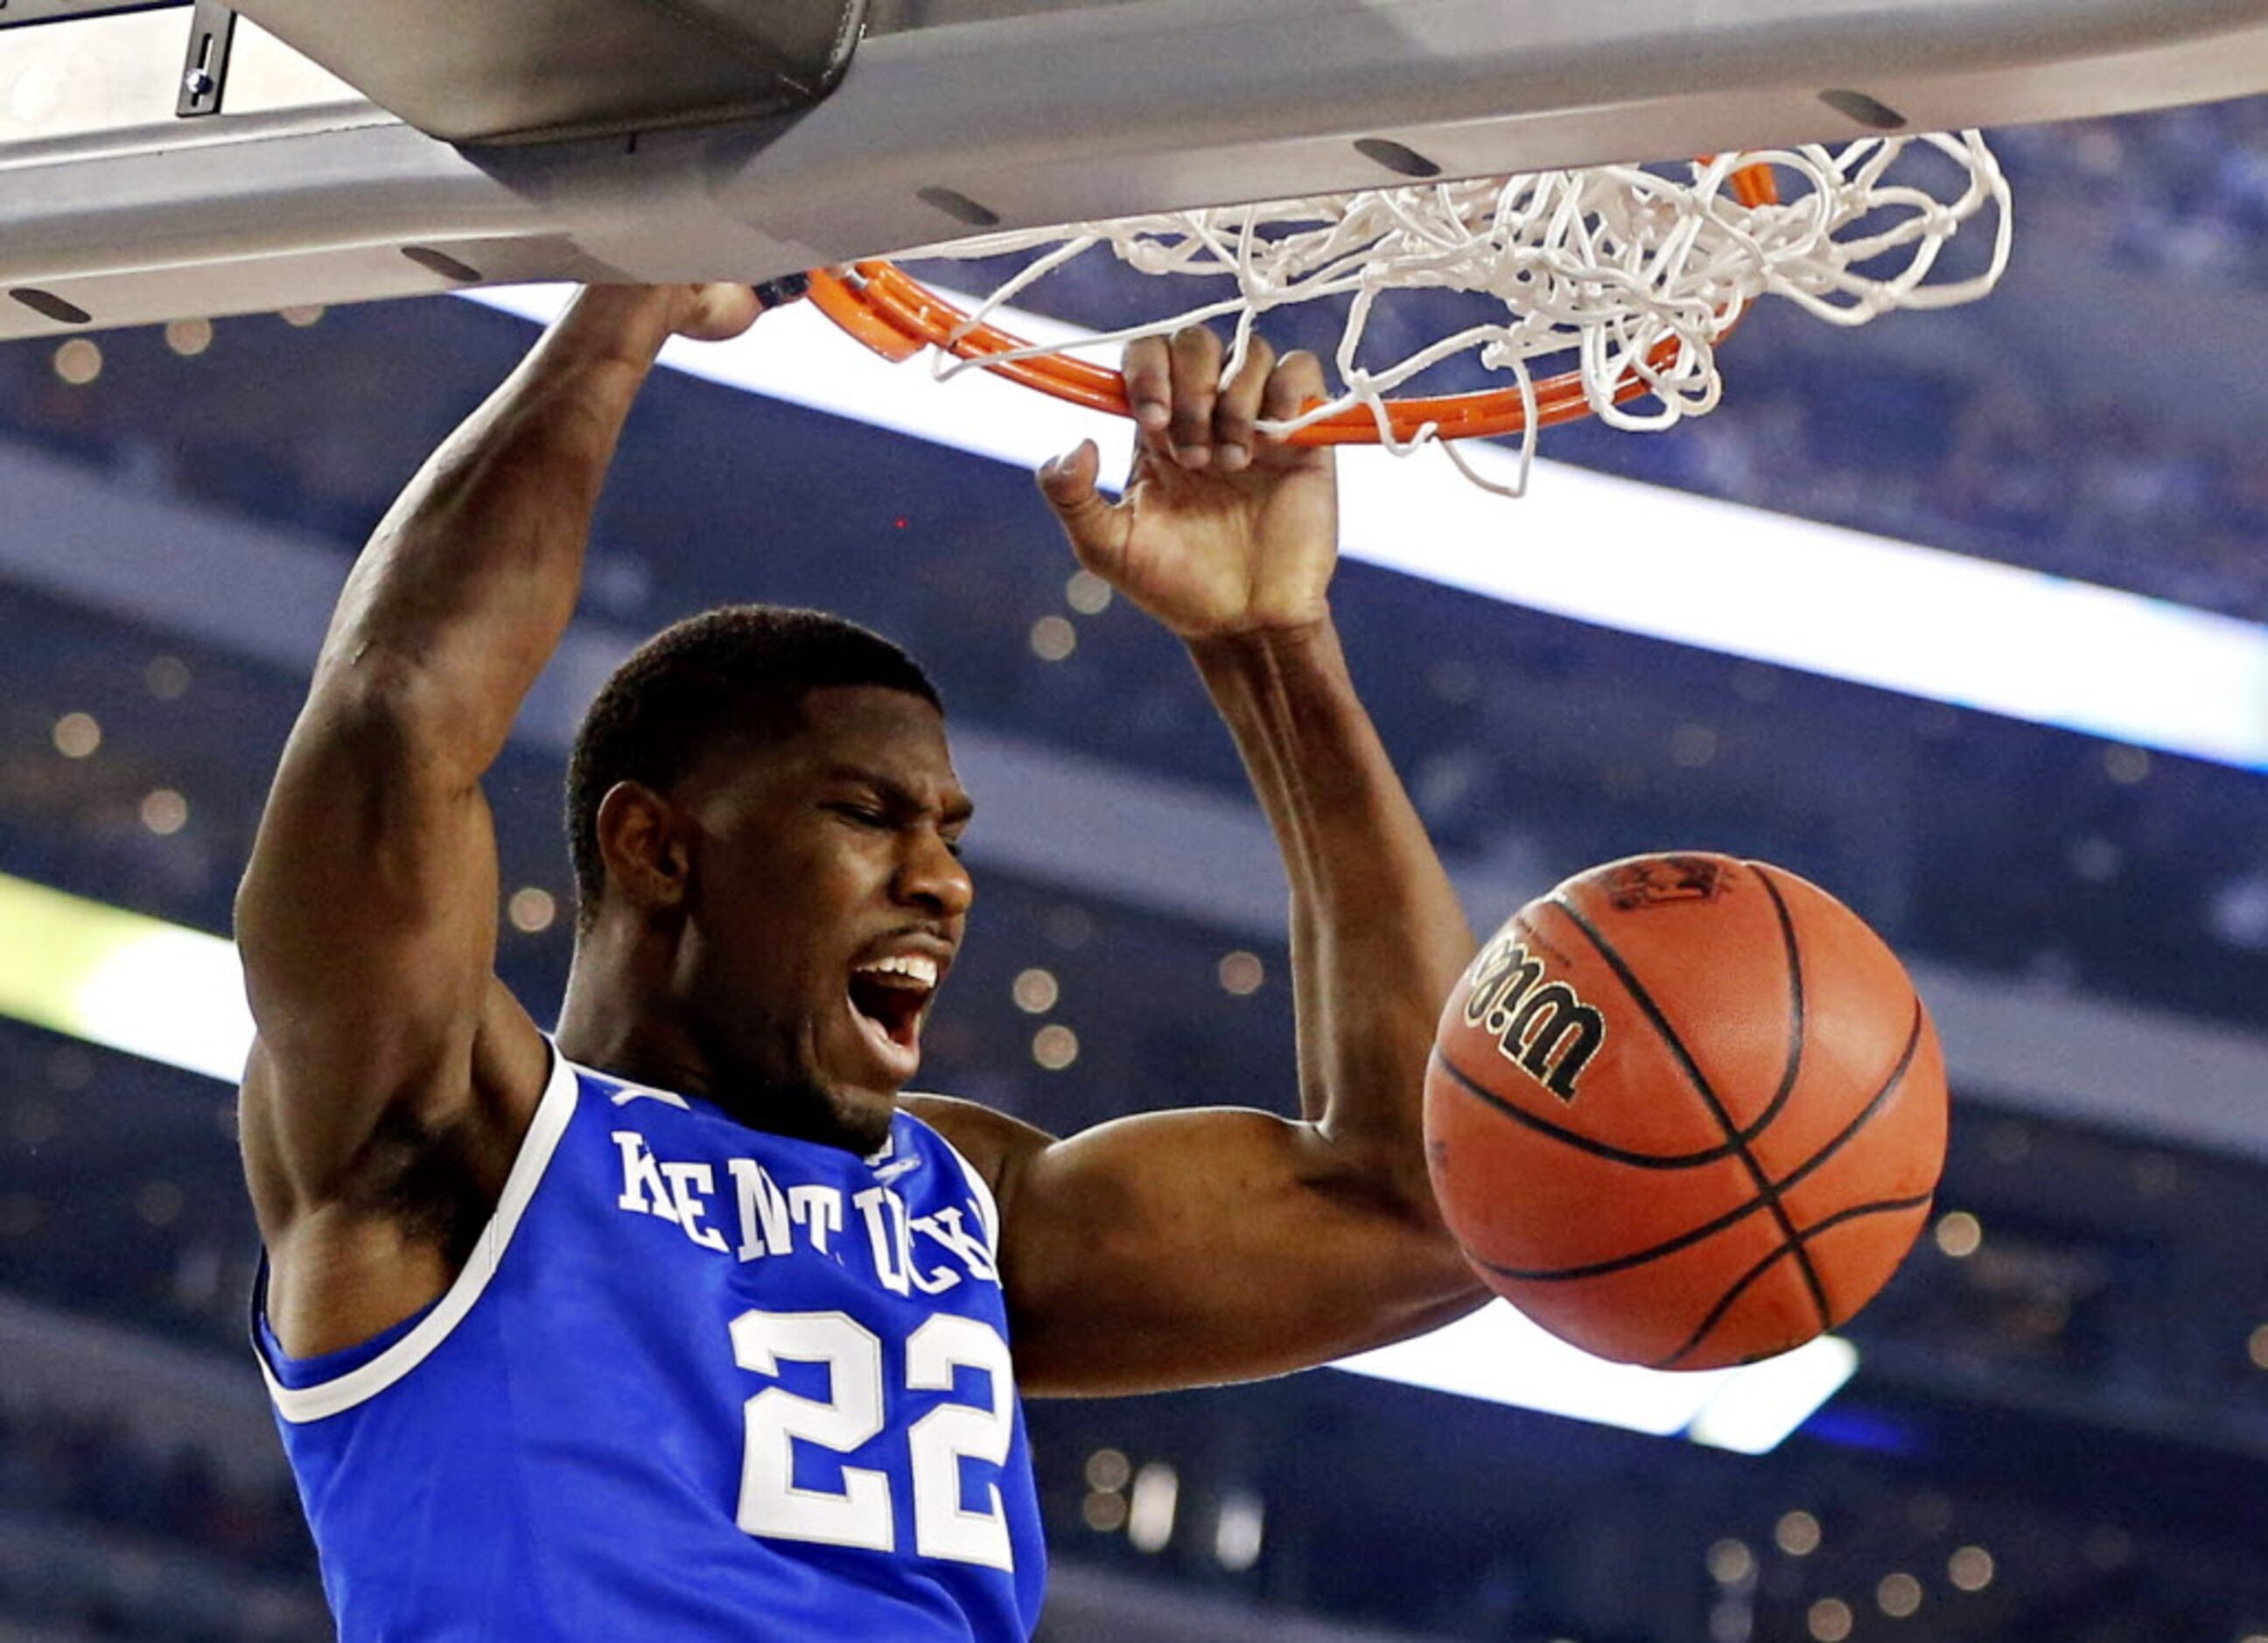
1378	936
471	578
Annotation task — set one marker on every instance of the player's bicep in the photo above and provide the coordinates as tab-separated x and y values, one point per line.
367	924
1194	1247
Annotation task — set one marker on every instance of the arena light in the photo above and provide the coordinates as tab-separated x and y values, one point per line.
1759	1405
123	980
1497	1356
1635	557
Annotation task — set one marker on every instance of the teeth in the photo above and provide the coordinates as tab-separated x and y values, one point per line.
912	966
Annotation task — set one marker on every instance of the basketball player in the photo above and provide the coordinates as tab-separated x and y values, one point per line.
682	1322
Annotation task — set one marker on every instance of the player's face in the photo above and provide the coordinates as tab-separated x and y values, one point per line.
828	901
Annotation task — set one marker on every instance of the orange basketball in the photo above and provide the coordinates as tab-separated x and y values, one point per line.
1685	1111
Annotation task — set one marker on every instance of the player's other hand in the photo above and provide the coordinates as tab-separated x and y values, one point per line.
635	320
1222	532
718	313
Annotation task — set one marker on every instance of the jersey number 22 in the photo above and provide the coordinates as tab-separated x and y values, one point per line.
859	1514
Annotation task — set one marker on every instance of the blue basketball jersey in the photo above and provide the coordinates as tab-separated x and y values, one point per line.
696	1382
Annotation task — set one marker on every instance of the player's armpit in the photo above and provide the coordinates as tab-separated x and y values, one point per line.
1194	1247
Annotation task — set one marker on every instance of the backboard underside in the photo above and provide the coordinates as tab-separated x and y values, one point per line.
957	116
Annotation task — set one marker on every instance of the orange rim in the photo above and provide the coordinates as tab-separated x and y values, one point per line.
897	316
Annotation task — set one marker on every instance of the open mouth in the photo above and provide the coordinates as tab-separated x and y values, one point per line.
888	996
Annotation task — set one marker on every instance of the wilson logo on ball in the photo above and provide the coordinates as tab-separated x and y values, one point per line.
1546	1031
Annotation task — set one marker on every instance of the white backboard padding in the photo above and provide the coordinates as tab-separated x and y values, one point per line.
113	207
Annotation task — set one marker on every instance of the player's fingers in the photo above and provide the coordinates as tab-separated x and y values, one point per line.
1296	383
716	311
1240	403
1095	528
1196	384
1148	372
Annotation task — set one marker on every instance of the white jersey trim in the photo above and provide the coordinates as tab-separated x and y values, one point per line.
302	1404
988	1210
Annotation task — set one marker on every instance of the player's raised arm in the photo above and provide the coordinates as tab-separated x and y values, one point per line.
1189	1247
367	916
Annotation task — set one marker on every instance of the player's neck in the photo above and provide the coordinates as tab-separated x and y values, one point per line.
632	1051
620	1018
602	1025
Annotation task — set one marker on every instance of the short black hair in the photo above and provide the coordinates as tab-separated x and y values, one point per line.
741	671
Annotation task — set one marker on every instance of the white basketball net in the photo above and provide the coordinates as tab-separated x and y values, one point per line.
1605	265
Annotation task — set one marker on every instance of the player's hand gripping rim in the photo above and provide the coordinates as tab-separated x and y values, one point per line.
1223	531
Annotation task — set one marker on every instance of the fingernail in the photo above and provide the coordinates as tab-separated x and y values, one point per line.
1152	414
1192	455
1234	456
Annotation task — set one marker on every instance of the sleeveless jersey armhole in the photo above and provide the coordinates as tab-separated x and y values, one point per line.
988	1208
393	1352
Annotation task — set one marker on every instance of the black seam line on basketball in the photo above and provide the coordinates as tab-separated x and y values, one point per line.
1579	1142
1644	1000
1741	1285
1599	1269
1812	1280
1794	1005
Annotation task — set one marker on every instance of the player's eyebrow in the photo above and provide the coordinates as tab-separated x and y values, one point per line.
956	810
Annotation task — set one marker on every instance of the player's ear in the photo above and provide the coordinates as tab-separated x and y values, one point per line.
643	846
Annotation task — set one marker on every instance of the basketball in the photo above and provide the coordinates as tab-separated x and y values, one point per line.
1685	1111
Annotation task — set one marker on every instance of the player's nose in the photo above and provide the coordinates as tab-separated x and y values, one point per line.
933	876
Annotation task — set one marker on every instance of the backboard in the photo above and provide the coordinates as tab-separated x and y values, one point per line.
948	117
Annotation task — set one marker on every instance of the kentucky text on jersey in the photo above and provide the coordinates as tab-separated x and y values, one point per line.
776	1220
696	1382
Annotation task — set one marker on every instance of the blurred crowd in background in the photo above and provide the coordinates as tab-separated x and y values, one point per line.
103	1537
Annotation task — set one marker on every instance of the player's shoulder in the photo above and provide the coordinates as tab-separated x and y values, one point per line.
993	1144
